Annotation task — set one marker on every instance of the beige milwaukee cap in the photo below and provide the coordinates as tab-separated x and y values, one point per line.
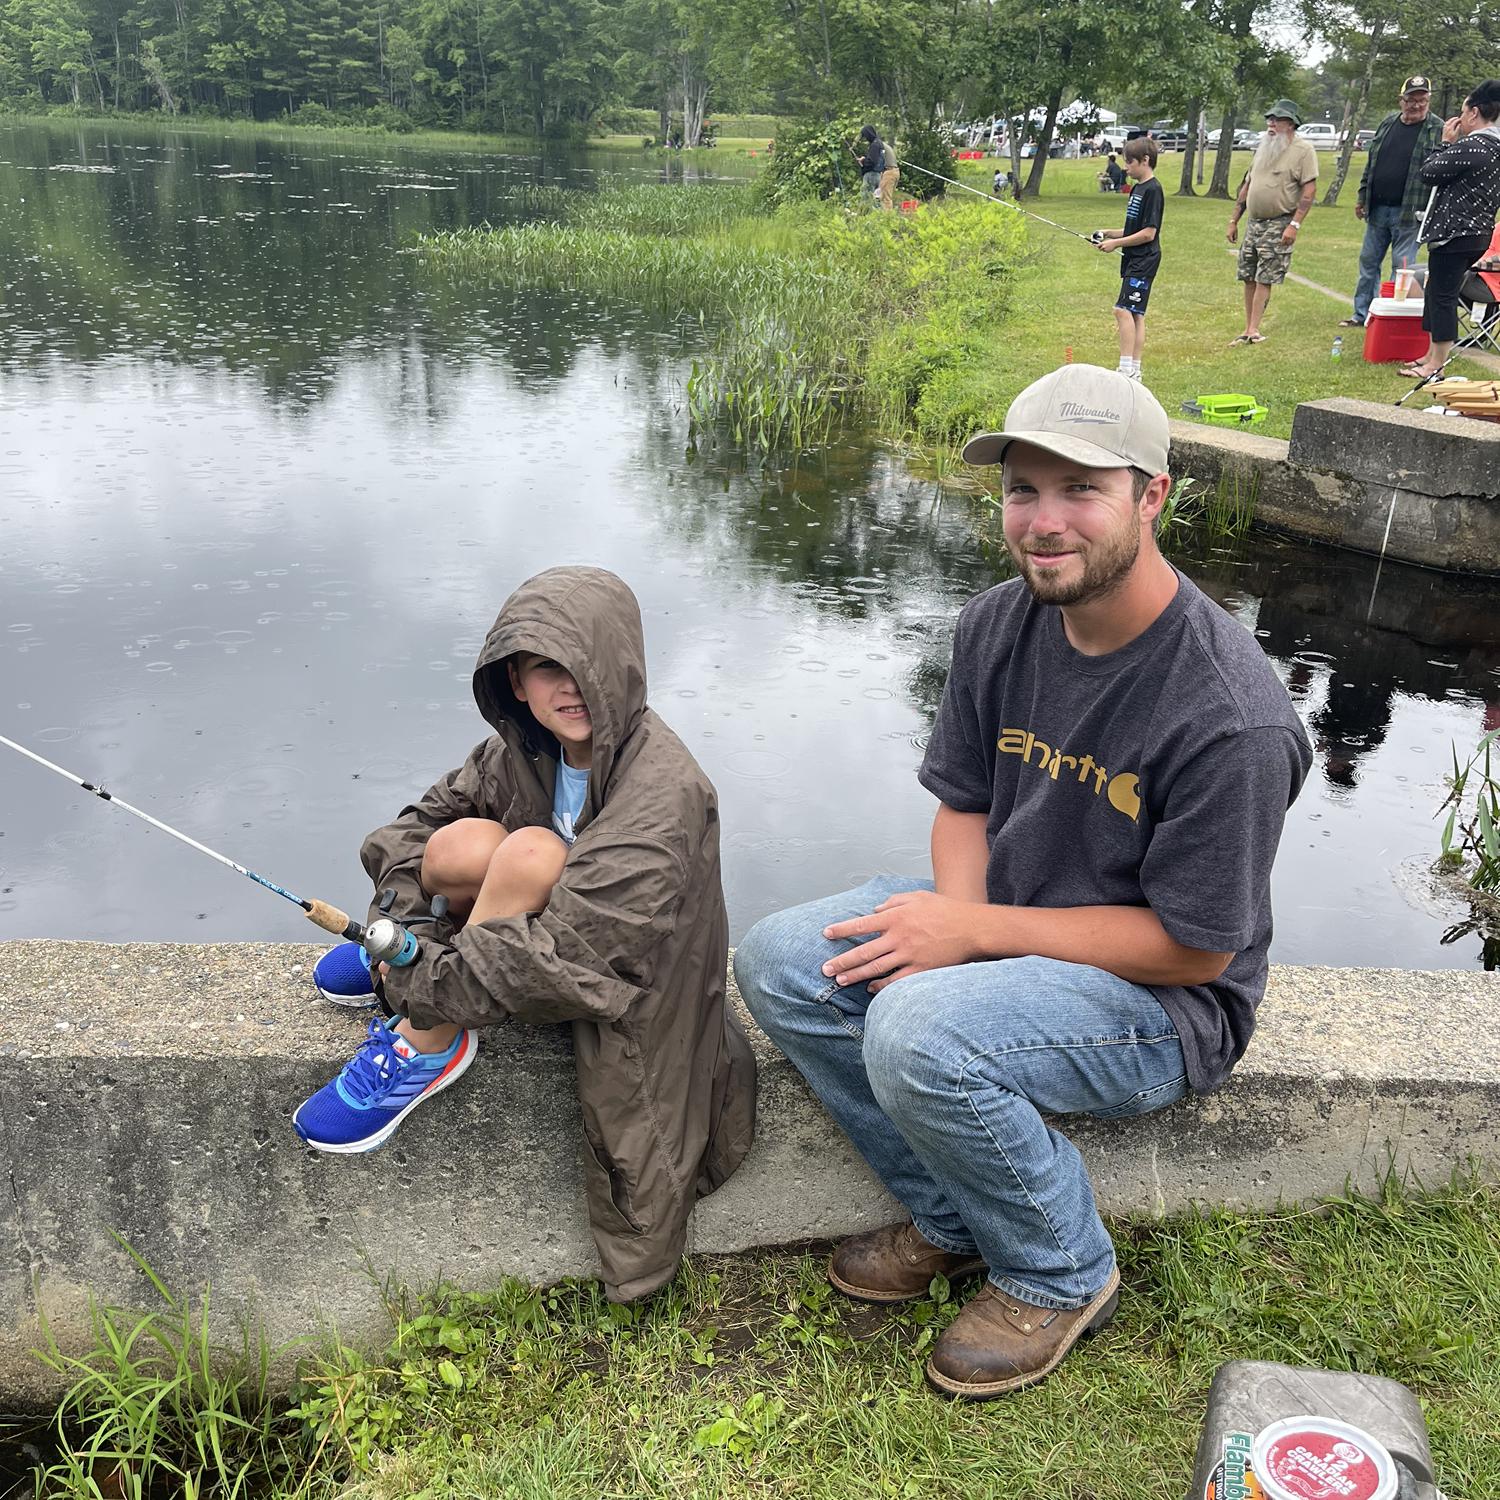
1099	418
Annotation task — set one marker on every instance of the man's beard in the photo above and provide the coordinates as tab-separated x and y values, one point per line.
1106	563
1271	148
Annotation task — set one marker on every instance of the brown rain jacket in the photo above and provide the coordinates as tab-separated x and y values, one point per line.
631	948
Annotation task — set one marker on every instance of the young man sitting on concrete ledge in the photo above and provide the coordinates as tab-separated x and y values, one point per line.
1113	759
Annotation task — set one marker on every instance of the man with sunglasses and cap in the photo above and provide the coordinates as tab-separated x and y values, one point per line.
1113	759
1391	190
1278	191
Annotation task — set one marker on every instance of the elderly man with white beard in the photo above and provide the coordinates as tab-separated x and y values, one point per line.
1278	190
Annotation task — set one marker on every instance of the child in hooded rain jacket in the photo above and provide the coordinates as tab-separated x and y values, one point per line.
578	850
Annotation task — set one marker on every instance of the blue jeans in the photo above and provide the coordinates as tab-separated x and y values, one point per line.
941	1081
1383	231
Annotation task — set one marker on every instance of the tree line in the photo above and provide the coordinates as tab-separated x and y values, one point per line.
560	67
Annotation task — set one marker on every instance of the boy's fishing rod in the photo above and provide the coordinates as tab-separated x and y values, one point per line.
383	940
1003	203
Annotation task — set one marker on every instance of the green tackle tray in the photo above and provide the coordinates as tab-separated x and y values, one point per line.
1226	411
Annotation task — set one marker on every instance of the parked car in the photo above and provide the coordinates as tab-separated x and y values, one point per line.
1116	135
1320	135
1362	139
1244	140
1170	140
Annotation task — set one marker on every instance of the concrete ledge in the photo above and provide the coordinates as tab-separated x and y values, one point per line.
1445	457
1362	492
148	1089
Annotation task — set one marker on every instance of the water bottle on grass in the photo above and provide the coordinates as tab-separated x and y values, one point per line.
1338	346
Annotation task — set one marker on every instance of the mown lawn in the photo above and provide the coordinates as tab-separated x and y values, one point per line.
750	1377
1061	299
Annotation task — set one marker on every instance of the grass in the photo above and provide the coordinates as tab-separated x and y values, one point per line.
152	124
159	1405
749	1377
925	325
814	315
1062	298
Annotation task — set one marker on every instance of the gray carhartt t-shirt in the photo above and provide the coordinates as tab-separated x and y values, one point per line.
1157	775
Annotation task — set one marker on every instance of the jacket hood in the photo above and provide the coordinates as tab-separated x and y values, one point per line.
584	619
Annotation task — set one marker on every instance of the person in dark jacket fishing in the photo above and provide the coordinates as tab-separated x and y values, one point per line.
578	849
877	163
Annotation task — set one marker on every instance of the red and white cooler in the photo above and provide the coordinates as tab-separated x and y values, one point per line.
1393	330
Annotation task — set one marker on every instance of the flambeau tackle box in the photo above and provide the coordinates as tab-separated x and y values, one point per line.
1248	1394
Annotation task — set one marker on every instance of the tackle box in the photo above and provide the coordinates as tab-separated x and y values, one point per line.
1226	411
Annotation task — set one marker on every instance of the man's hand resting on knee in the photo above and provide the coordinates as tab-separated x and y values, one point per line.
914	931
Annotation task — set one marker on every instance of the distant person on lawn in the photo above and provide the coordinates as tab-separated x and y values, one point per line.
1112	761
1278	191
1391	191
1139	244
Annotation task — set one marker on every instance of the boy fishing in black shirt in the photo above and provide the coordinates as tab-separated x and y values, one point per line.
1139	244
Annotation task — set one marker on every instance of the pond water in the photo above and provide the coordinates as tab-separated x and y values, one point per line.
265	486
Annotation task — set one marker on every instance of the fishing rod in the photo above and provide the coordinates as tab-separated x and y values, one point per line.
1088	239
384	940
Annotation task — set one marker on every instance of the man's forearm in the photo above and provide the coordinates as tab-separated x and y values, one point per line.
960	854
1125	940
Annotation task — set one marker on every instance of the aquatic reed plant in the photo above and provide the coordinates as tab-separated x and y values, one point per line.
160	1406
1216	514
811	315
637	208
783	341
1471	832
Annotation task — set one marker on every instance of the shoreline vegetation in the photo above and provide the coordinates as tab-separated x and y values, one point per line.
924	324
815	314
750	135
749	1376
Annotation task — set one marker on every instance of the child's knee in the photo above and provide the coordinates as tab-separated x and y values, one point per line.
458	854
536	855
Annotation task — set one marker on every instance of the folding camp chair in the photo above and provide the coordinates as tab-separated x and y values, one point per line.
1479	315
1479	303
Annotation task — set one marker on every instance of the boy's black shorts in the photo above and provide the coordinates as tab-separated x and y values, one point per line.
1135	292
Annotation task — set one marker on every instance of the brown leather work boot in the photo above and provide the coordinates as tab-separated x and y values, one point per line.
894	1264
999	1343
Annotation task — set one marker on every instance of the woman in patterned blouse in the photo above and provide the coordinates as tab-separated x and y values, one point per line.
1465	173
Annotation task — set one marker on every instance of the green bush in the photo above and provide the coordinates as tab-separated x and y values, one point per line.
812	159
931	150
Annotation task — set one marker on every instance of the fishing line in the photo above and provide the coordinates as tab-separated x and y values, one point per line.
1002	203
330	918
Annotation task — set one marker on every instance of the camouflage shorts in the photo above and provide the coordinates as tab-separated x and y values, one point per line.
1263	257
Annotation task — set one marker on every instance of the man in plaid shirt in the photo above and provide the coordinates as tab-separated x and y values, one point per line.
1391	191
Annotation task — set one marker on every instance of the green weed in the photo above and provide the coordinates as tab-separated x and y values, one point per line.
748	1376
1471	831
158	1406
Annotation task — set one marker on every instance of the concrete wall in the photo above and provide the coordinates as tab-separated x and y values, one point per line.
1423	489
148	1089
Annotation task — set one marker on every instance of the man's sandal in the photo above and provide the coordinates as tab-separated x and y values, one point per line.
1412	371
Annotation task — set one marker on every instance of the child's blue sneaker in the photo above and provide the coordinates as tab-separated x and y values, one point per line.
376	1091
343	976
